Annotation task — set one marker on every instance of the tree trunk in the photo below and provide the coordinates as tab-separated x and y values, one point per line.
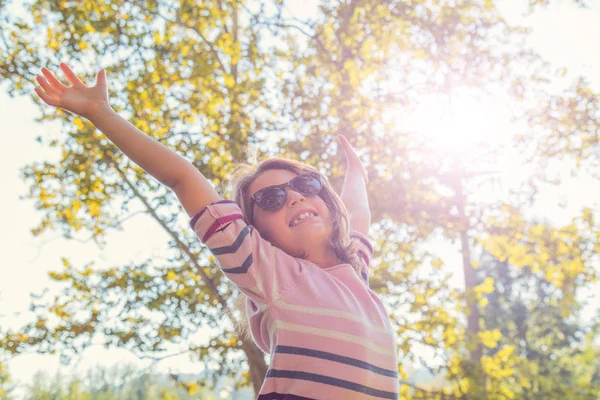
258	366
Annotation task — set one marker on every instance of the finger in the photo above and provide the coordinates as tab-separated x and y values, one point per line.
46	98
352	159
101	78
348	150
71	77
343	142
55	83
47	87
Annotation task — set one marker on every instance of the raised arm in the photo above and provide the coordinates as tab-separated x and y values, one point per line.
169	168
354	190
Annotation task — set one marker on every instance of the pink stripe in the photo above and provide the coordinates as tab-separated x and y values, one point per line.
342	347
314	390
220	221
196	217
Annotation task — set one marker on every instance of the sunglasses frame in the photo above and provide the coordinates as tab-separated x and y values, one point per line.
284	186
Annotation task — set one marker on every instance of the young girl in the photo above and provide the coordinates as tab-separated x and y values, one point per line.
297	250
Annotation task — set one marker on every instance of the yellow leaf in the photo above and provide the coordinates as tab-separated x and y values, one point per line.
76	205
157	38
95	208
488	285
229	81
402	372
171	275
490	338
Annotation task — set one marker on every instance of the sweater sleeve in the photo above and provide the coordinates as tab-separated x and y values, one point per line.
259	269
365	252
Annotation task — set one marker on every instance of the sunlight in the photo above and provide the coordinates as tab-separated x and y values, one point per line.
461	123
466	127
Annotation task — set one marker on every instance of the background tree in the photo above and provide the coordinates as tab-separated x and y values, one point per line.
192	76
121	383
367	60
531	279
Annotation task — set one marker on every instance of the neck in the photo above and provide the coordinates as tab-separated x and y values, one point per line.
324	257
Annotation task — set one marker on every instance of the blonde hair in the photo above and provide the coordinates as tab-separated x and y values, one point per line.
345	249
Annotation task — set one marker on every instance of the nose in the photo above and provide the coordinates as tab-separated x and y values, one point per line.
293	196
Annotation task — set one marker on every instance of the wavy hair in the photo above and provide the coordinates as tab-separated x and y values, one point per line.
345	249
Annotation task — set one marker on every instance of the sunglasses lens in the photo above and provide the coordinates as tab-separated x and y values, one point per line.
271	198
307	185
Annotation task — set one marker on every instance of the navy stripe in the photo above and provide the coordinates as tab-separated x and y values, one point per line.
365	277
282	396
199	214
223	228
232	248
335	357
196	217
307	376
242	269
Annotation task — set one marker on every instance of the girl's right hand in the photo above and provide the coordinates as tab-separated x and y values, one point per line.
77	98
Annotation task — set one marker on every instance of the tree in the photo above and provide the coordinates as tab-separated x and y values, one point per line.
192	76
530	280
121	382
365	60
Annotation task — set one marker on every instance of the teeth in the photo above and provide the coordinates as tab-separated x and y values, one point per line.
301	217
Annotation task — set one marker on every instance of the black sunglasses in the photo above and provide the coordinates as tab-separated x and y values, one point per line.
272	198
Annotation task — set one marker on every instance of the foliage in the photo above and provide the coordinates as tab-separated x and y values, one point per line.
5	384
121	382
566	127
532	276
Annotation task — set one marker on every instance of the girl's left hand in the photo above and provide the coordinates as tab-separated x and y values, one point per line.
353	163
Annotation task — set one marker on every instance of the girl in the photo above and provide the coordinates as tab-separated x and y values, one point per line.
289	243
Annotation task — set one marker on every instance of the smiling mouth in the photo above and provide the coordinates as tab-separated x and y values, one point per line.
302	217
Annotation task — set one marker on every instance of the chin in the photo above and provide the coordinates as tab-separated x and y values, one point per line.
315	235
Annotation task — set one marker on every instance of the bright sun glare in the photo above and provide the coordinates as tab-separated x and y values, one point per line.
460	123
466	127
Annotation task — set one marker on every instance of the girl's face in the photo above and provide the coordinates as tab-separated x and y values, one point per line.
279	226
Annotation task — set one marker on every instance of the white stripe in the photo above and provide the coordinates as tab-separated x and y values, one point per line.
275	287
254	290
361	341
332	313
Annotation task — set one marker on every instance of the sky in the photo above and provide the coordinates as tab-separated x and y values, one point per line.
561	33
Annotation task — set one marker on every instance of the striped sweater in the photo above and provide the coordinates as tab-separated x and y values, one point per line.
328	334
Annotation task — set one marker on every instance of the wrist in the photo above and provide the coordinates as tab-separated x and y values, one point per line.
354	172
99	113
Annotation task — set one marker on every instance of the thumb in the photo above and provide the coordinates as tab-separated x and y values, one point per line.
101	78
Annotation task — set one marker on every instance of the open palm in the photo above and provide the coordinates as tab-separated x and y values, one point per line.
77	98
